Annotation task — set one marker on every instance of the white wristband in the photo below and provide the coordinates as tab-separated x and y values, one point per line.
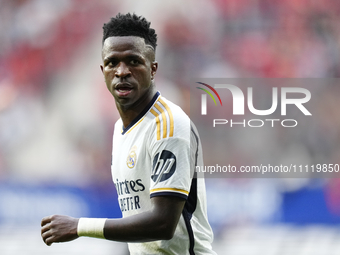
91	227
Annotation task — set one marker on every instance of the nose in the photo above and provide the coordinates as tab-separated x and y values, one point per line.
122	70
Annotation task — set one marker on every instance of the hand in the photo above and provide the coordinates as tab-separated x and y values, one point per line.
58	228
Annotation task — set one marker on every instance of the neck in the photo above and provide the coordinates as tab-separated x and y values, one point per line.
128	114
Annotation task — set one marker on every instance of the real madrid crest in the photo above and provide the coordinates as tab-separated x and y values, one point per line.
132	157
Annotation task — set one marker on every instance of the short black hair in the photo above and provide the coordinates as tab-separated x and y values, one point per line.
130	25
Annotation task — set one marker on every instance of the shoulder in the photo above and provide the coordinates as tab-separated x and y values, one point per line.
169	119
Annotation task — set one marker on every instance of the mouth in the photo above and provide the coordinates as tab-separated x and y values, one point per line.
123	89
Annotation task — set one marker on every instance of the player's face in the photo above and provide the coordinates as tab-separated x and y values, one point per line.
128	69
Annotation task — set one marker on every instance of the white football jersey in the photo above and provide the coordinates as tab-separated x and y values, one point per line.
156	156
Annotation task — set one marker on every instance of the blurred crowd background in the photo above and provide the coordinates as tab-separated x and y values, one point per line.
56	117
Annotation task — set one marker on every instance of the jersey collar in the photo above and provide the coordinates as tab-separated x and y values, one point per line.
145	110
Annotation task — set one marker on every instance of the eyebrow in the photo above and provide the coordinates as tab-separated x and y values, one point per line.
129	56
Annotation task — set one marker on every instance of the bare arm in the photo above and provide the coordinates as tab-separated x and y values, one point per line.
159	223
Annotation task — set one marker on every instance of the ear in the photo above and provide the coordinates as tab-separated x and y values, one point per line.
154	67
102	68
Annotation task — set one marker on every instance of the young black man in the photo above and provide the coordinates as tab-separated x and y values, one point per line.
155	151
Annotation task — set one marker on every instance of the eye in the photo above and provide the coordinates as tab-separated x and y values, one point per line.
134	62
111	64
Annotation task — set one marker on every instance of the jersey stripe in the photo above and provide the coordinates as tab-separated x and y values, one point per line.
158	124
170	116
167	193
169	189
161	110
187	218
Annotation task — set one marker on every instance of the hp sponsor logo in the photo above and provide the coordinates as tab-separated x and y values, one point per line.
164	166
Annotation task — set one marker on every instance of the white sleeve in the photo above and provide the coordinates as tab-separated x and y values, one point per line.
170	174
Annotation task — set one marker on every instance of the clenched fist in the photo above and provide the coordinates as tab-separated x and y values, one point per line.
58	228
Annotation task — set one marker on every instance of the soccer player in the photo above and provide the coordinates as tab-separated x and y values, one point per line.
155	151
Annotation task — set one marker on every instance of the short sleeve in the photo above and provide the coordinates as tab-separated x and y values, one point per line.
170	174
